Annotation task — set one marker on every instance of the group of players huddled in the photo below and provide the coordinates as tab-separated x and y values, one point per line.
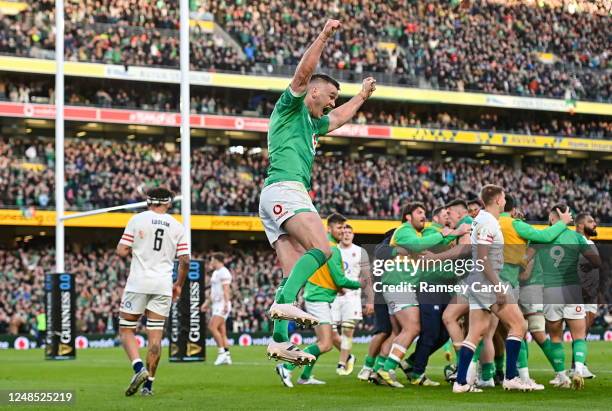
520	279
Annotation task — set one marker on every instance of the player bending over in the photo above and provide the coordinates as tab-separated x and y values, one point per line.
305	111
319	294
154	239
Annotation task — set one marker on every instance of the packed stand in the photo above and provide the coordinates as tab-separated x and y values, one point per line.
100	276
513	47
217	101
104	173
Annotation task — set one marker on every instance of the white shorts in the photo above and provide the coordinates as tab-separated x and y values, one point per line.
558	312
279	202
346	308
397	302
484	300
217	309
591	308
321	310
531	299
137	303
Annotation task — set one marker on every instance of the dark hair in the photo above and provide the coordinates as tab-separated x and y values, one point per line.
561	207
348	226
489	192
410	207
510	203
437	211
336	218
159	195
581	217
475	201
457	202
326	78
218	256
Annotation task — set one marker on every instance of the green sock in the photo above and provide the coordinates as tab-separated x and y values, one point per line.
547	349
390	364
380	362
579	351
314	350
523	355
280	332
369	361
558	356
476	356
488	371
303	269
499	363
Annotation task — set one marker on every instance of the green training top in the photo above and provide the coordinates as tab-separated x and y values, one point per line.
292	140
325	283
438	275
407	237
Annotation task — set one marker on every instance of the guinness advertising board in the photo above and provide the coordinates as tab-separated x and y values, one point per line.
187	325
60	306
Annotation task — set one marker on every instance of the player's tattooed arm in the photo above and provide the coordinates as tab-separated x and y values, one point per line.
311	57
343	114
183	268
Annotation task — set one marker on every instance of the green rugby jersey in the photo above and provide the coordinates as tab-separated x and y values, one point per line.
292	139
559	260
407	237
438	276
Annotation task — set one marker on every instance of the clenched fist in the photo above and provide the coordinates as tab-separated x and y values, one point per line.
330	28
368	87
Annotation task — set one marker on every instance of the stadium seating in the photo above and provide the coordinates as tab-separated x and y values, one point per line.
101	276
215	101
492	46
105	173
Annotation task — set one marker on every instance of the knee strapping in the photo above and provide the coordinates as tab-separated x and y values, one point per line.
536	323
155	324
123	323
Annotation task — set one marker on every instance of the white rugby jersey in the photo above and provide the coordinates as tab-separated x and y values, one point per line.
219	278
487	231
156	239
353	259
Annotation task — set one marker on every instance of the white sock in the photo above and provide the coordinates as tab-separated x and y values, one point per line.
221	350
524	373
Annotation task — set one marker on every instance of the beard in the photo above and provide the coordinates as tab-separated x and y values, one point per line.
591	232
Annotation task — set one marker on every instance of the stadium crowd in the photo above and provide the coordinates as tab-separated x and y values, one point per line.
107	173
544	48
217	101
100	277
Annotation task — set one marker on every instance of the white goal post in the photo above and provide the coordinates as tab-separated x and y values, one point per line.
185	134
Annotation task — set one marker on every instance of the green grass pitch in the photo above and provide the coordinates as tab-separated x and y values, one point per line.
99	377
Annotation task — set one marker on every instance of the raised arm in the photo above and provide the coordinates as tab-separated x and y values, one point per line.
343	114
310	59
